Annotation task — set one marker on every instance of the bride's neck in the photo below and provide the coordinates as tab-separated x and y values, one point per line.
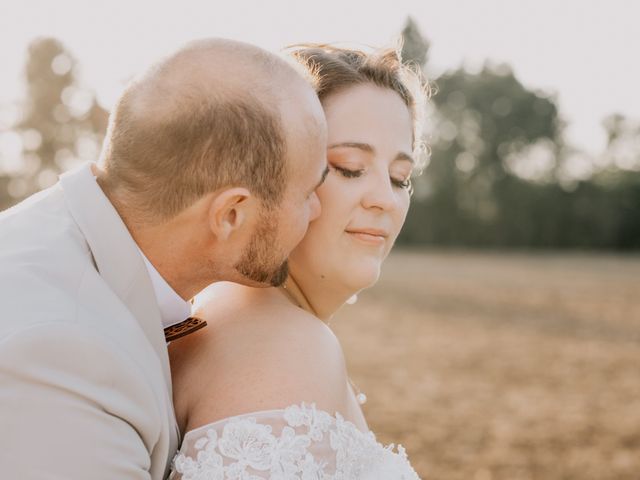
315	297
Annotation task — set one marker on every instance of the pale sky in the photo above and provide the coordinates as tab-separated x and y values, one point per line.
585	51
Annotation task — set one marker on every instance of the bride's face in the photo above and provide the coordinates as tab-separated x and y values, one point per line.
365	197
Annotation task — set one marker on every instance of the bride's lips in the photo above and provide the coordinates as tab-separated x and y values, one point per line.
370	236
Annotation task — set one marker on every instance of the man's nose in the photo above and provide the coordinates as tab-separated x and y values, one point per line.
315	207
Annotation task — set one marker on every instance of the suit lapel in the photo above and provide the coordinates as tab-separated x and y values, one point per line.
117	258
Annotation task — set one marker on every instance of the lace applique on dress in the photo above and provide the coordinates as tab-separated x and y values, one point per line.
299	442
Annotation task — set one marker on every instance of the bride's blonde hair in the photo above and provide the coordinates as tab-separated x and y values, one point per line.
331	69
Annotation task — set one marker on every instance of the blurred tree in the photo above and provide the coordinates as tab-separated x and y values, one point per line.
499	174
61	123
5	198
623	142
415	47
490	132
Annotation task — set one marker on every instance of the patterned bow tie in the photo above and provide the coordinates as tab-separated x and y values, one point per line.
183	328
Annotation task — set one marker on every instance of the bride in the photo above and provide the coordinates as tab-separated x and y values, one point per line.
264	391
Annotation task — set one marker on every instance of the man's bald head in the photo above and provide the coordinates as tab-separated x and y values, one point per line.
216	113
210	70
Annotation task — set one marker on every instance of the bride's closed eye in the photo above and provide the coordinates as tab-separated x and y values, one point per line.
406	184
349	173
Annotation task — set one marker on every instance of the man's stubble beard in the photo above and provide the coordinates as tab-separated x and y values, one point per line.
257	262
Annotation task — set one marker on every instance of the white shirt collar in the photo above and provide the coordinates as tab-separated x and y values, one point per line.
173	309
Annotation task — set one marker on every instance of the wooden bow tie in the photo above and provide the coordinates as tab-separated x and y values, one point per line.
183	328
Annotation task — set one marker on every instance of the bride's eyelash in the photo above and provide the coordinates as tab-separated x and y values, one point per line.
402	183
345	172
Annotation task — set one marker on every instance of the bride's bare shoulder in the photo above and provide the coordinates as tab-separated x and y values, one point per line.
258	352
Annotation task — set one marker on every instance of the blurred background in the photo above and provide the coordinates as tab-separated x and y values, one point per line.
503	339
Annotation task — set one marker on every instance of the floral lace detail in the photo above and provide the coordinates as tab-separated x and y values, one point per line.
311	445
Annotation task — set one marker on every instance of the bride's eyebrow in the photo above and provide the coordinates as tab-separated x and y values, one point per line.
405	156
365	147
360	146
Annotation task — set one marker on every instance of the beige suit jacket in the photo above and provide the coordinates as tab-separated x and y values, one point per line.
85	386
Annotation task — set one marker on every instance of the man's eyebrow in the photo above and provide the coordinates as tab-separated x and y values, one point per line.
365	147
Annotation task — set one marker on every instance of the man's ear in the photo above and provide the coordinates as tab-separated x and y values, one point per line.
229	211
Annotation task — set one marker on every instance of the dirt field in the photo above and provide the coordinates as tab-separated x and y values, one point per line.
502	366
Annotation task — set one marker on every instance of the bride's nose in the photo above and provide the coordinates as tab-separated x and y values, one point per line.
379	193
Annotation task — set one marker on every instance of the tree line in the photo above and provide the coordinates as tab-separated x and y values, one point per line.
500	173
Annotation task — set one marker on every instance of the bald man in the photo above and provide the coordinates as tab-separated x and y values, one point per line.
208	173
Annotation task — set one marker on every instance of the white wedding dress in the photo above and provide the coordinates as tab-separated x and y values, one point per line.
298	442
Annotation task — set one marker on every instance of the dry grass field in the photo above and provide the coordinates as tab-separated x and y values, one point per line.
508	366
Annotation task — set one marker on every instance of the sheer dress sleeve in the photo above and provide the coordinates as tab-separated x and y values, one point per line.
298	442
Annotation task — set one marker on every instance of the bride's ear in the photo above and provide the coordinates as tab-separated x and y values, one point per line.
229	211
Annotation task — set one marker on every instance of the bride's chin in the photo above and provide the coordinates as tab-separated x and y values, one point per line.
344	274
361	277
